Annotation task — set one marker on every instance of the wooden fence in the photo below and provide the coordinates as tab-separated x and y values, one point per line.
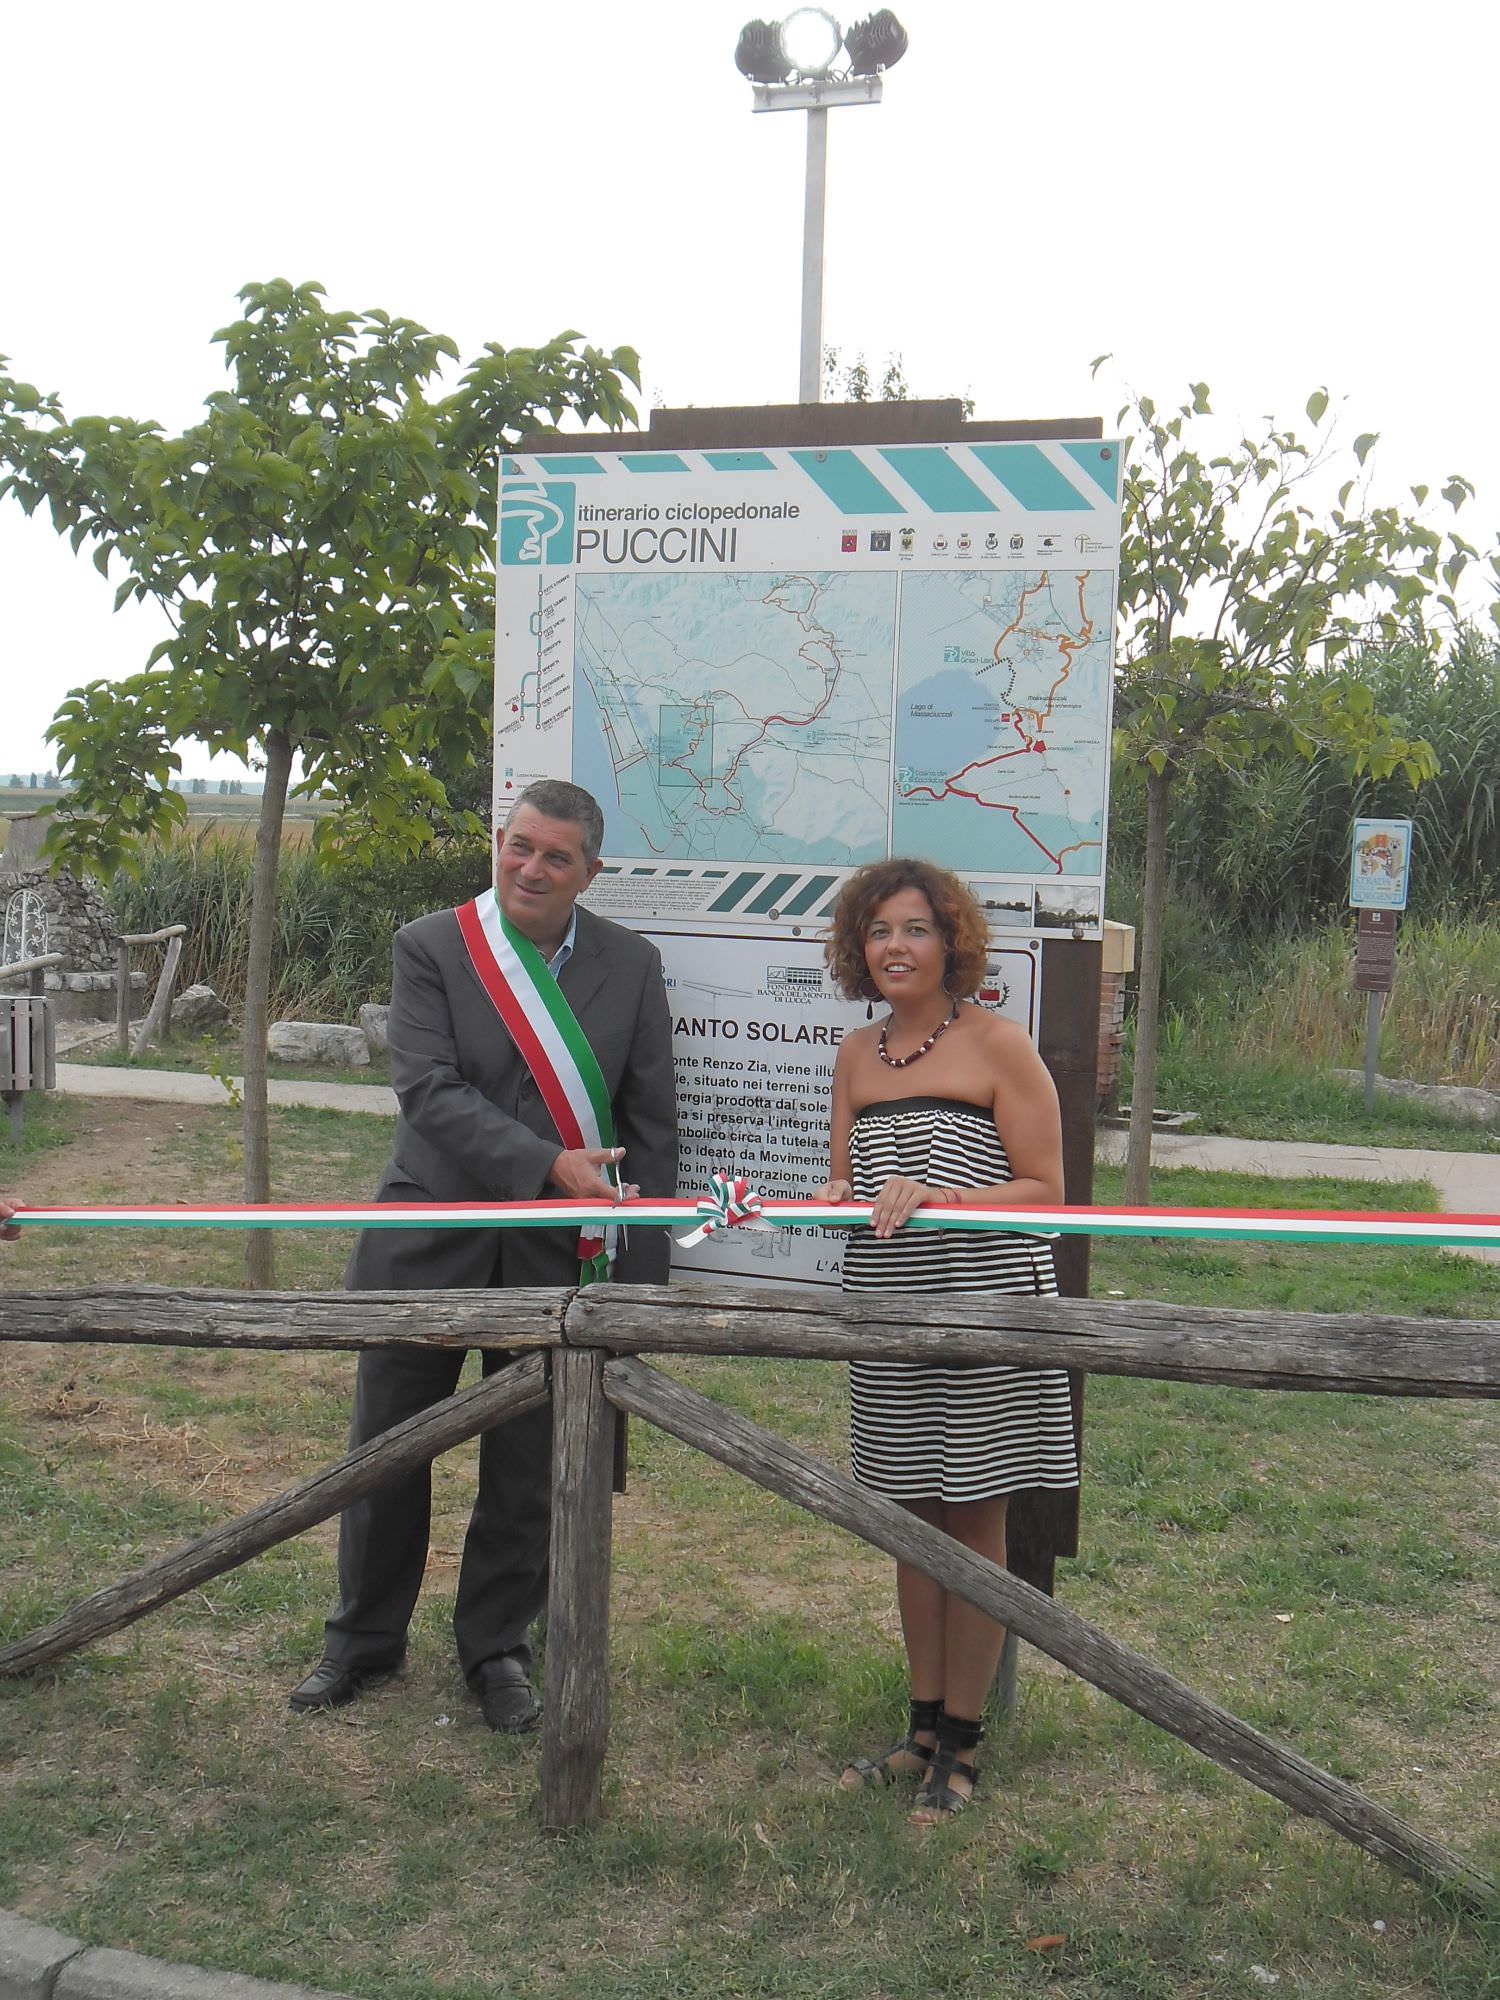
585	1349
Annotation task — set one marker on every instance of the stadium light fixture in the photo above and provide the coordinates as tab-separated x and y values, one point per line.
792	65
811	40
875	44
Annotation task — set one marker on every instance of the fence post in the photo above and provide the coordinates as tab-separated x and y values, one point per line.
122	996
575	1714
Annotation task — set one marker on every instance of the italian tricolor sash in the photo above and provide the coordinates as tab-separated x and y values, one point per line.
548	1038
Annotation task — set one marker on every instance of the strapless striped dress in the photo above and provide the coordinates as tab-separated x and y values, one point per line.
962	1430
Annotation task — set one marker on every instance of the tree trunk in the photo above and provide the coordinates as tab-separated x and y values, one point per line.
260	1248
1148	992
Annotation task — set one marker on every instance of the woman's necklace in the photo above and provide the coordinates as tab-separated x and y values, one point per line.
901	1062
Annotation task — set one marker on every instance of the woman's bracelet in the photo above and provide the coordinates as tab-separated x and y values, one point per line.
954	1197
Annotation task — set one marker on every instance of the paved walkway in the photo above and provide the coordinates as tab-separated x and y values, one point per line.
1467	1183
180	1086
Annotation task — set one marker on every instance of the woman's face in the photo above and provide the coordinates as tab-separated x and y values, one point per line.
905	950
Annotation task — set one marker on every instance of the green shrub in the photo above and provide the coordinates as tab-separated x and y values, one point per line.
334	923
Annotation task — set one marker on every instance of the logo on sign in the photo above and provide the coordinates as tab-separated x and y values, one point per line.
880	541
849	544
536	523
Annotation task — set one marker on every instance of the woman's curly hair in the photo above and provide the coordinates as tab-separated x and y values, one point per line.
959	920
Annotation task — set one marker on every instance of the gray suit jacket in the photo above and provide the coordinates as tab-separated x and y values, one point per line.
472	1125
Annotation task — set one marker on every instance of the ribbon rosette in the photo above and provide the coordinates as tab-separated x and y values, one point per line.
730	1200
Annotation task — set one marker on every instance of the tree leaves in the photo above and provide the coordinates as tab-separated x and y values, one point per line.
320	538
1241	606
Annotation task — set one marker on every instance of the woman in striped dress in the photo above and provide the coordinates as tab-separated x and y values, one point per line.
977	1123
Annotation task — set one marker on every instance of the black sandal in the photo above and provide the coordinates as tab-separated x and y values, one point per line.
957	1740
882	1770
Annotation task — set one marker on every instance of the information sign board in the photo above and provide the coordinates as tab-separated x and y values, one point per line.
773	666
1379	864
1375	951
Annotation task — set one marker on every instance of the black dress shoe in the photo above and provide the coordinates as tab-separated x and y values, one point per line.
333	1685
507	1700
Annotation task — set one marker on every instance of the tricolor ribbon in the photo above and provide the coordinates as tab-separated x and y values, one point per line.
730	1199
716	1210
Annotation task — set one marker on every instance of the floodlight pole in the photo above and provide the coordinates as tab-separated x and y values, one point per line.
815	96
814	210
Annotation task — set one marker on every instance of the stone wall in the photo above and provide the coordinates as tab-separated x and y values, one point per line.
78	925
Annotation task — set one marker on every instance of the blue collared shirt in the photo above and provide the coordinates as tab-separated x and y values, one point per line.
564	951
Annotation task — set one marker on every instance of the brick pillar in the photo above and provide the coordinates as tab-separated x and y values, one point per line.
1119	959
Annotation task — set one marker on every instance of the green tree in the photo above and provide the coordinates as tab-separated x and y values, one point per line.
1270	851
1242	608
320	543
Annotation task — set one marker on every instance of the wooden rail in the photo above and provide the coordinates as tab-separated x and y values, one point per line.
1376	1354
415	1442
1129	1676
594	1337
159	1014
31	969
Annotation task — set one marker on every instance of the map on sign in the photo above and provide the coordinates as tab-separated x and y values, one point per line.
755	716
737	718
772	666
1001	719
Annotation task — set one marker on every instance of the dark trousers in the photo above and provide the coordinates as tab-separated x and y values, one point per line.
502	1579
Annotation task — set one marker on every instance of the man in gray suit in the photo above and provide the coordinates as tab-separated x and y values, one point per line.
473	1126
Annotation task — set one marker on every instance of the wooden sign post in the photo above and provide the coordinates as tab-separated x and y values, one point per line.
1379	871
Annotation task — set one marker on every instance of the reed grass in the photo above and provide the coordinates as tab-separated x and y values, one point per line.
1441	1023
334	922
1267	847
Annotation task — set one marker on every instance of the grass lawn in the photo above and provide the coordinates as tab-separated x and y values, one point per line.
1326	1566
1266	1099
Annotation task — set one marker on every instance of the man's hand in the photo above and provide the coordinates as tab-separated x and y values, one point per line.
578	1174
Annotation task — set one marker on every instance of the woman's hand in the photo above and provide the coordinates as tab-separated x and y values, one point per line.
9	1233
896	1203
834	1191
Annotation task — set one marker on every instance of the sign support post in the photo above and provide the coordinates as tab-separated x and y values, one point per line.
1379	872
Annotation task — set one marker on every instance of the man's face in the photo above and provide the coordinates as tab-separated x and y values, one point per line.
540	872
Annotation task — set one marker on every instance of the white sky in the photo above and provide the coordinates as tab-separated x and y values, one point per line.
1265	197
